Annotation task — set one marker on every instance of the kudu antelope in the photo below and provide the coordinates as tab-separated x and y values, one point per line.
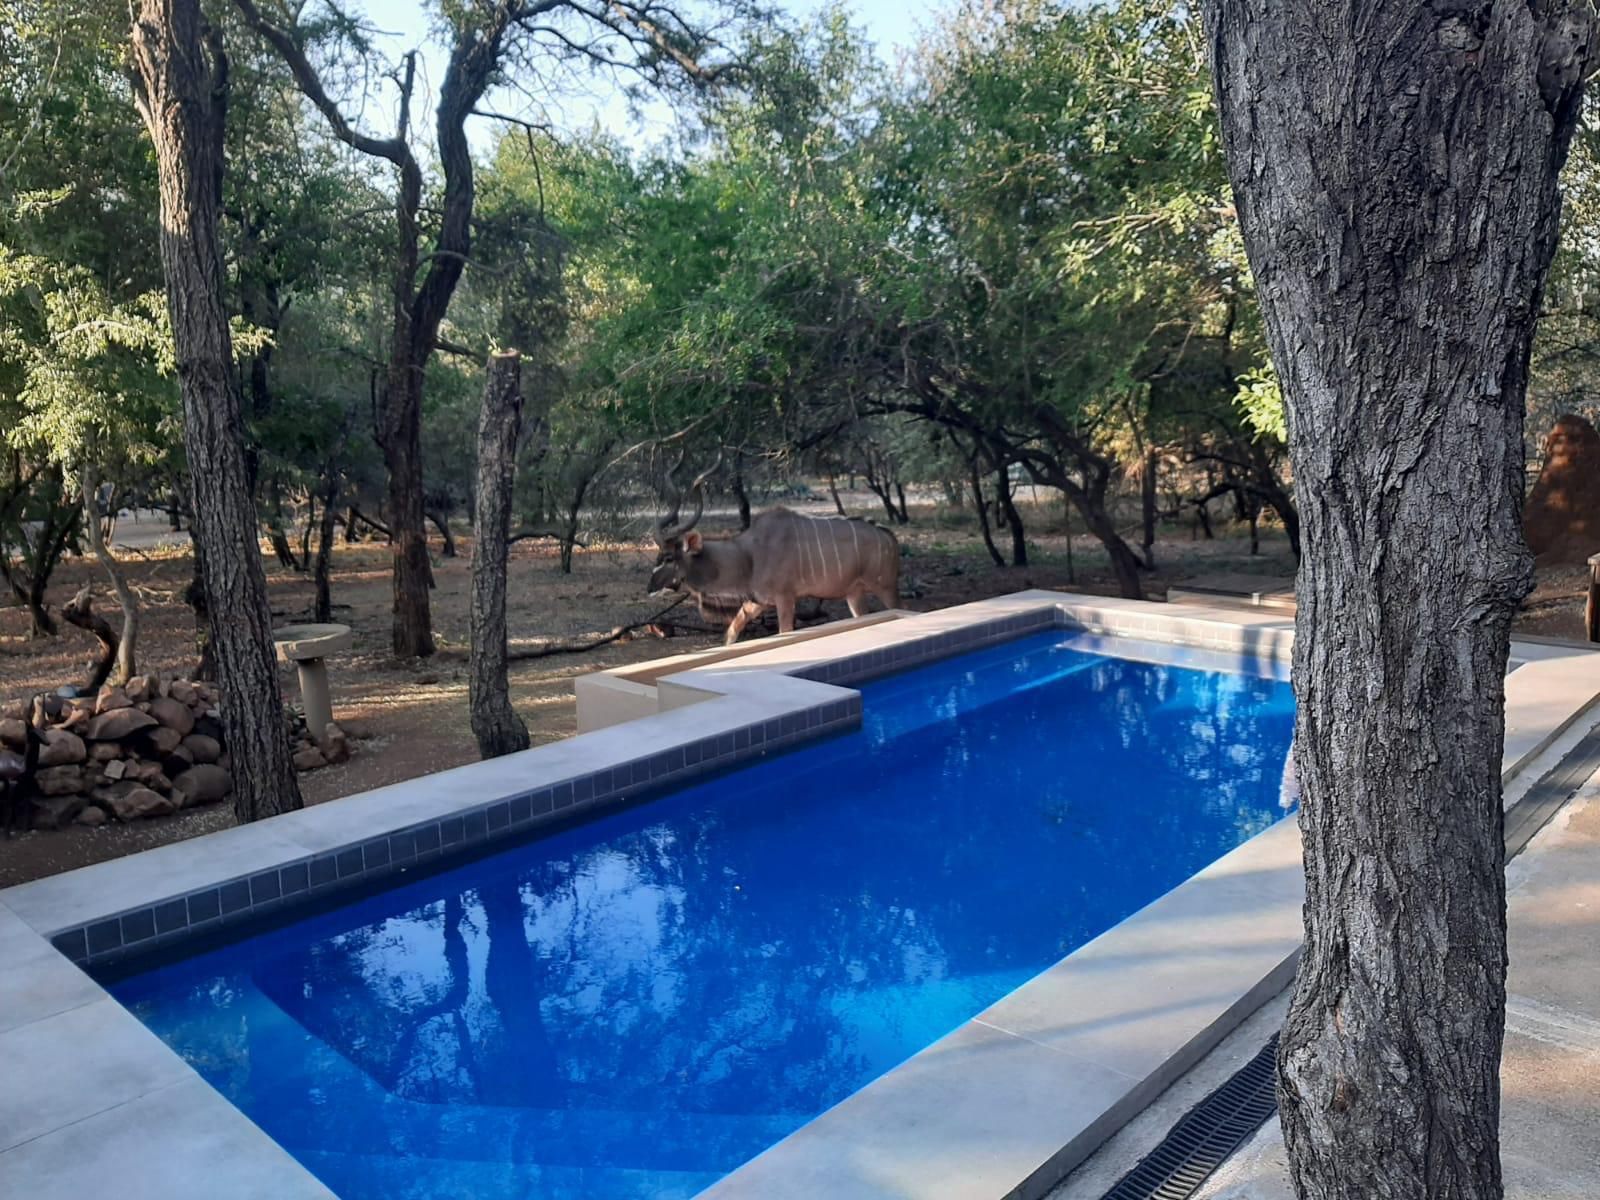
782	556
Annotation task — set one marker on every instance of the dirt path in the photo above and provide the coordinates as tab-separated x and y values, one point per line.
410	718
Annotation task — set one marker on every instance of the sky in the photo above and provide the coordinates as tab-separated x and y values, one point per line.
892	25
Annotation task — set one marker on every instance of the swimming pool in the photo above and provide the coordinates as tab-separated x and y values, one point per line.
635	1006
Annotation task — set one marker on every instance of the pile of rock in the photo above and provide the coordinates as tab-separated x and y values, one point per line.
311	751
148	748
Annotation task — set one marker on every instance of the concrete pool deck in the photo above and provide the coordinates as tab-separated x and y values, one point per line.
1550	1067
1005	1105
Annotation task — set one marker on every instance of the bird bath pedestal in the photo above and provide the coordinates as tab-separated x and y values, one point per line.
307	646
1591	607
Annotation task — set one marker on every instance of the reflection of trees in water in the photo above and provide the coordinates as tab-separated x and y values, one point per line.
758	944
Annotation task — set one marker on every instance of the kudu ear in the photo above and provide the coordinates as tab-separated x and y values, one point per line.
692	542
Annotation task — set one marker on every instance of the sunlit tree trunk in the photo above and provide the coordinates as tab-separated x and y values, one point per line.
1394	168
182	84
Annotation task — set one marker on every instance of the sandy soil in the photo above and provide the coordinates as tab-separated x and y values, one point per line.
410	718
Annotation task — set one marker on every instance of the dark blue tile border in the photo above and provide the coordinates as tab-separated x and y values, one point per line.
469	832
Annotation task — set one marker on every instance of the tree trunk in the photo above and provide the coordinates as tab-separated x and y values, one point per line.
324	562
742	496
79	611
900	493
569	530
1008	508
441	522
1066	519
833	490
494	722
195	597
305	531
1399	224
127	643
982	508
1147	507
182	87
412	634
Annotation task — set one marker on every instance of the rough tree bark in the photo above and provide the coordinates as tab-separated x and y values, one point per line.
1394	168
128	642
181	86
494	722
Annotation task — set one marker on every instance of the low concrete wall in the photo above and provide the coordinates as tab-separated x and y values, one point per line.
607	698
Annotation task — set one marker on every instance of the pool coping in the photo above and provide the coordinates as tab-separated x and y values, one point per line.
1005	1105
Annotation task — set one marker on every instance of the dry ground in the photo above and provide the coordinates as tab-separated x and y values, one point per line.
410	718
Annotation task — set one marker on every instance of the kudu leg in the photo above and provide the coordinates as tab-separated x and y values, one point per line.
748	611
857	600
785	614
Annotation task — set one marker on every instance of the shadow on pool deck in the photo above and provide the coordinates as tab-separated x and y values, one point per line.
1550	1072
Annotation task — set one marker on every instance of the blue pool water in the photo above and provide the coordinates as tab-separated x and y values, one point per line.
634	1007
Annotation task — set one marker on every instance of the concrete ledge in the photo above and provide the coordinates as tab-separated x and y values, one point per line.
607	698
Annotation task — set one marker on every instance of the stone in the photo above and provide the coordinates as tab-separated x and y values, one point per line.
118	724
204	783
14	710
54	812
1562	516
205	749
104	752
309	760
111	699
173	715
115	769
140	687
182	691
14	733
335	744
148	773
59	781
211	727
61	749
176	763
92	815
143	802
162	740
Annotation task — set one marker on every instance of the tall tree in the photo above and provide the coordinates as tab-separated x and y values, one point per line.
1395	170
182	86
652	39
494	722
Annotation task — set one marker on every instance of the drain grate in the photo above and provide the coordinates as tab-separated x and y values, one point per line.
1553	789
1222	1122
1201	1142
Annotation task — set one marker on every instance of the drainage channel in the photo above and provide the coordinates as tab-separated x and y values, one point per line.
1210	1132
